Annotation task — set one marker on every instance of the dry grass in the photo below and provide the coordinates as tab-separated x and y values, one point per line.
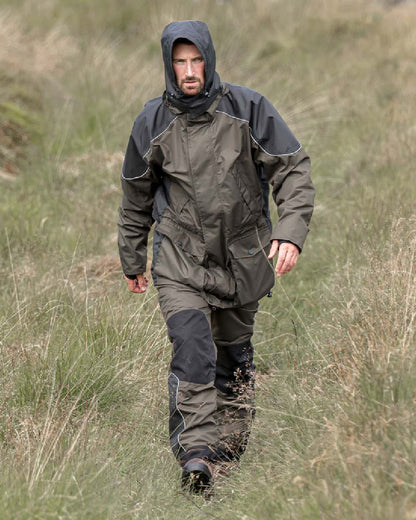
83	406
366	451
36	55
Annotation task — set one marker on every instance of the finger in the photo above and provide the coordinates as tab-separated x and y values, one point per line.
143	286
288	265
142	283
281	260
133	285
290	260
135	288
273	249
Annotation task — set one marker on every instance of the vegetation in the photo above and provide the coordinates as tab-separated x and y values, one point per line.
83	364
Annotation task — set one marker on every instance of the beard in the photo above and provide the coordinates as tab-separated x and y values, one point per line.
195	89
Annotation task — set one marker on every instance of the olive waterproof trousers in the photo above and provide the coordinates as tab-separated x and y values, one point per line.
211	380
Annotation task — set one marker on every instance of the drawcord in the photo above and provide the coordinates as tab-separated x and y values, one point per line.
270	293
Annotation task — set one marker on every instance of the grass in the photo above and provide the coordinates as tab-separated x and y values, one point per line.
83	404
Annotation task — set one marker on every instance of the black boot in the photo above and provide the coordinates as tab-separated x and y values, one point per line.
196	476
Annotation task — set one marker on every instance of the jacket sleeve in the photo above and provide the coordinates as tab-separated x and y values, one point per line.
135	212
287	168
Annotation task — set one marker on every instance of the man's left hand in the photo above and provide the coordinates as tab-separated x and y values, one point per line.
287	257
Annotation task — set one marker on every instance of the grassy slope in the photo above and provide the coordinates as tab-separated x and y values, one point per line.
83	411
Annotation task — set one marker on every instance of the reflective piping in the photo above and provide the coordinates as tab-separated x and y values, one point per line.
274	154
257	143
176	405
161	133
234	117
144	155
134	178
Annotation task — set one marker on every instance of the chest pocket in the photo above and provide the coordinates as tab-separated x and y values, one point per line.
249	190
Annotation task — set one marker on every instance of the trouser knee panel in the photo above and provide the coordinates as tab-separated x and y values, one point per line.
193	357
235	369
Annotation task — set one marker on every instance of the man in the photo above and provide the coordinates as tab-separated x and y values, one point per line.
199	163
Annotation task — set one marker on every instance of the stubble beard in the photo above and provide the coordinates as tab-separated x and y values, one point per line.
191	91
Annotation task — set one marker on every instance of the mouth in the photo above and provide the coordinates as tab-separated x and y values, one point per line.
191	85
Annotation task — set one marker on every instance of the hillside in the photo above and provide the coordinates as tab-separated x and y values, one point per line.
83	401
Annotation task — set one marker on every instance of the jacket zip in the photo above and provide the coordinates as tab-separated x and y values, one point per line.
193	186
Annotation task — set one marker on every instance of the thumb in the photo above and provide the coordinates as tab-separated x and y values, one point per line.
273	249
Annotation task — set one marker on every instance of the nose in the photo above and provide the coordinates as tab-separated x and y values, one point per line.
189	68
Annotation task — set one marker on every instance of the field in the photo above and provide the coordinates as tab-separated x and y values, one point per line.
83	363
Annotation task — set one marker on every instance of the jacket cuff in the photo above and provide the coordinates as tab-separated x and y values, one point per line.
294	231
130	276
288	242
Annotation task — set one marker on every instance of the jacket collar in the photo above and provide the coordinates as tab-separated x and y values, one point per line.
192	117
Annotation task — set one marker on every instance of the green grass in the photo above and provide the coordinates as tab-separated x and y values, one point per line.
83	400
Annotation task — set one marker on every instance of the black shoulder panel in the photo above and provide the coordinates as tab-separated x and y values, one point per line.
134	166
152	121
237	102
267	127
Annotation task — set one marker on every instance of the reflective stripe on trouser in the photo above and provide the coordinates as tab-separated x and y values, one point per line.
211	383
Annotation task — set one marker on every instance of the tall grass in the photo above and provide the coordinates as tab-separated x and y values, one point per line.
83	404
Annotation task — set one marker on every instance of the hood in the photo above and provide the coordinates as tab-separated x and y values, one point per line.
198	33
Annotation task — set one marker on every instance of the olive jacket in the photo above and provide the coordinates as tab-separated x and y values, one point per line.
201	167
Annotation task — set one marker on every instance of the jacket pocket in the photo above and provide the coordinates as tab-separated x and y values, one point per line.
185	240
253	272
180	257
250	193
242	189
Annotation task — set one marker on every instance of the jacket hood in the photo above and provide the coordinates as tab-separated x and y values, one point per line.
197	32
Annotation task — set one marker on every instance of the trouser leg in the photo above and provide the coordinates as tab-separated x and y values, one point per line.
192	395
235	372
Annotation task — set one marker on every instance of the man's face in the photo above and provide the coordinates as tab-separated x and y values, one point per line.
189	67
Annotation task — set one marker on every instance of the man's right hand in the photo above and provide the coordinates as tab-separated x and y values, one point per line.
139	284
